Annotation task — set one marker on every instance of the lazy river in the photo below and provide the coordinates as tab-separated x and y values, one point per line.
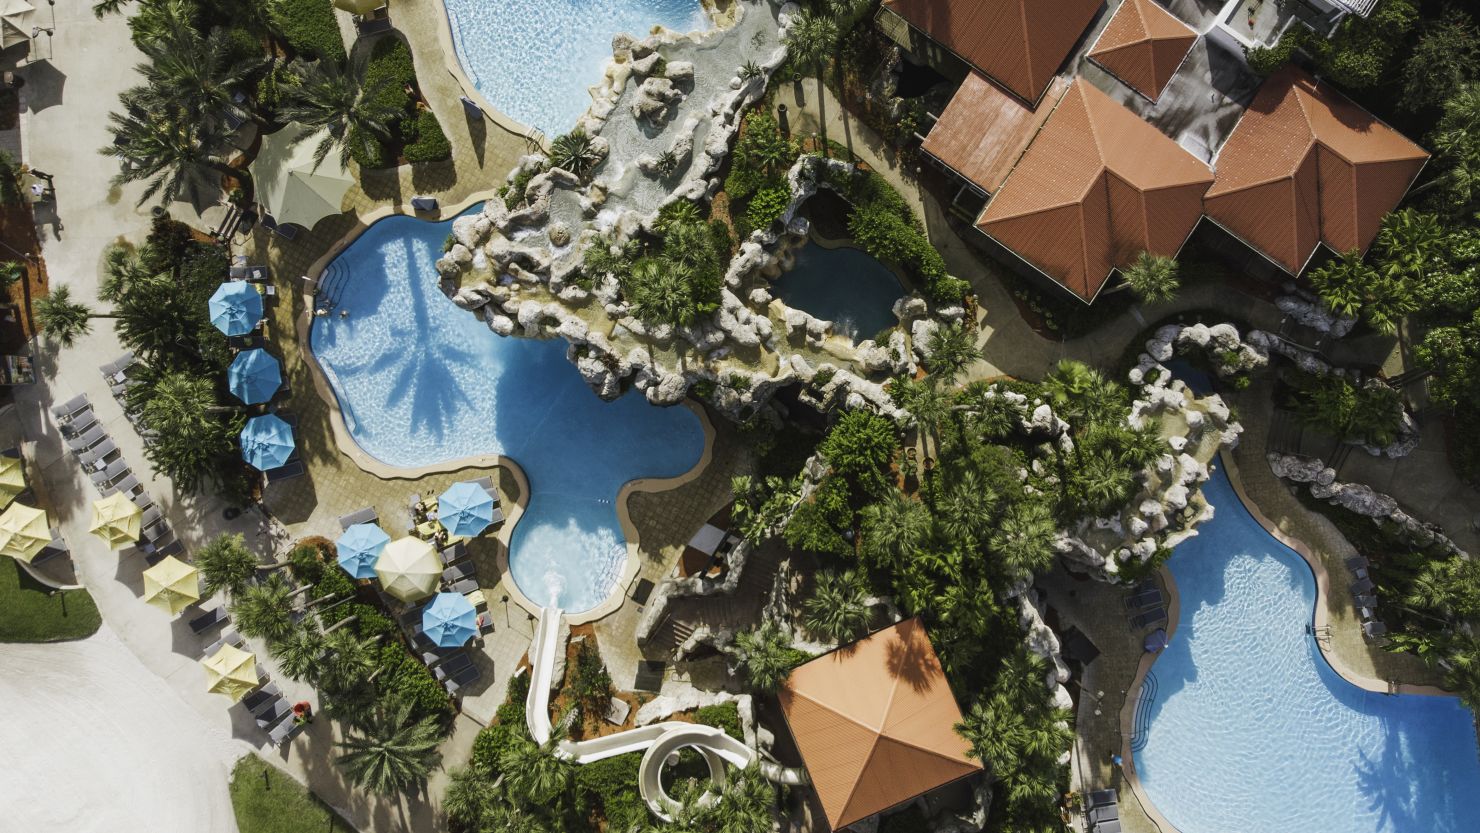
421	382
1250	730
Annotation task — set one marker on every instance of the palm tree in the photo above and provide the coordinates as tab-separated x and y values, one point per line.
1350	287
964	513
166	147
575	152
811	40
225	564
193	432
63	319
690	244
894	528
952	349
1079	392
199	73
763	148
659	292
766	655
328	98
1023	540
470	799
1103	481
347	660
264	610
300	653
838	608
1152	277
394	752
533	773
926	404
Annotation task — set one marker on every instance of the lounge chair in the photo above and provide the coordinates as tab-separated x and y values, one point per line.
361	516
1155	616
452	667
114	371
211	618
1098	798
98	454
458	572
127	485
66	411
452	554
151	515
1361	586
463	678
1104	812
1111	826
90	437
487	484
1356	562
143	500
260	696
464	587
1374	629
80	424
497	516
271	713
116	470
172	548
1367	600
1144	598
287	471
284	732
228	637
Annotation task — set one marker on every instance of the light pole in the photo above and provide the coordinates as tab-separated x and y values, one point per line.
505	600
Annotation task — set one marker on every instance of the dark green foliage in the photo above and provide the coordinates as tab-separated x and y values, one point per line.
1446	56
859	447
723	716
1370	413
767	206
590	683
885	226
1358	56
10	183
388	72
611	784
309	28
427	143
575	152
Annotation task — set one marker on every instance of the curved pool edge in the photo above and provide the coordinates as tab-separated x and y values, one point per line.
345	441
1174	607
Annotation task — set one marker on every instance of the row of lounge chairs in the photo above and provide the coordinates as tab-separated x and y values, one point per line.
1366	601
266	703
1102	810
454	668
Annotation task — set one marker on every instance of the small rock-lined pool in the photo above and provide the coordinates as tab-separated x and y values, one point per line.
535	59
421	381
843	285
1251	731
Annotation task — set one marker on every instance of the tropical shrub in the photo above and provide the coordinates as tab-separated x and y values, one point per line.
309	28
427	142
575	152
767	206
724	716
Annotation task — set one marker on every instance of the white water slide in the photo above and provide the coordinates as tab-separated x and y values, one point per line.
656	741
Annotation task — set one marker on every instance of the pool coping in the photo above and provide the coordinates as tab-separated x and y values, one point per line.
346	444
1319	619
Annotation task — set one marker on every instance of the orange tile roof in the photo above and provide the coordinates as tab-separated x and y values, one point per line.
1020	43
875	723
984	129
1143	45
1097	186
1304	166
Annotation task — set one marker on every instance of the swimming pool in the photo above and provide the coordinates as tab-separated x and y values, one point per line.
535	60
845	286
1251	731
421	381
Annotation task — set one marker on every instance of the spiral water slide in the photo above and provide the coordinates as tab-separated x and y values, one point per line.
657	741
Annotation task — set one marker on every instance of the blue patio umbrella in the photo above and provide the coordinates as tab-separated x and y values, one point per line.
235	308
254	376
358	548
267	441
449	621
465	509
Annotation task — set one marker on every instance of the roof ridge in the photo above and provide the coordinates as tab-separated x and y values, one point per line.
1022	8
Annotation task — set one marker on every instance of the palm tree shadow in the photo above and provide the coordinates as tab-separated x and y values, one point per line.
911	661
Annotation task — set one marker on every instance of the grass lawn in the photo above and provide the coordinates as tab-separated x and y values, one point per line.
278	804
32	612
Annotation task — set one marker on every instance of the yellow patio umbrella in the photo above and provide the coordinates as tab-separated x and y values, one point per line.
409	569
360	7
171	585
24	530
12	479
15	22
231	671
117	520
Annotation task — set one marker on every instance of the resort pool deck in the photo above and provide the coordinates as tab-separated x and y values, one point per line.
421	382
535	60
1245	727
843	285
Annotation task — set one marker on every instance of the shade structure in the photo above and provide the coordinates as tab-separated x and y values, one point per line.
12	479
15	22
24	531
117	520
359	548
171	585
231	671
359	6
235	307
874	722
465	509
267	441
254	376
450	620
290	185
409	569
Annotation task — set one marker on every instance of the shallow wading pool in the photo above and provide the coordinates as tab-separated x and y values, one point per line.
843	285
1249	730
421	381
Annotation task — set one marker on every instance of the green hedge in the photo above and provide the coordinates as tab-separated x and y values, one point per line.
612	782
388	72
418	133
723	716
885	226
426	142
309	28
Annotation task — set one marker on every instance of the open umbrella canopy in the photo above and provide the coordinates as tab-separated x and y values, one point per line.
171	585
12	479
254	376
235	307
231	671
117	520
409	569
450	620
267	441
15	22
465	509
359	6
293	189
359	548
24	531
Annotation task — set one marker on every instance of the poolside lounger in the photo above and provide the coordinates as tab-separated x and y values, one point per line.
452	667
1362	586
453	554
66	411
1151	617
1101	797
210	619
115	471
228	637
143	500
287	471
113	371
257	697
1373	629
1111	826
271	713
87	439
80	424
466	677
98	453
172	548
487	484
284	731
498	515
464	587
127	485
1104	812
361	516
151	515
1366	601
432	655
458	572
1144	598
419	203
1356	562
157	532
1360	573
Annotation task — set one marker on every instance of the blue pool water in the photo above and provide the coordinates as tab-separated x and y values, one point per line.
421	381
535	59
1251	731
845	286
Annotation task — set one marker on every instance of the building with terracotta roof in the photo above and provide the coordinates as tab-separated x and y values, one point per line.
875	723
1306	166
1144	46
985	129
1095	188
1021	44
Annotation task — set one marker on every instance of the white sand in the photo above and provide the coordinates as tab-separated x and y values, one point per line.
92	741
